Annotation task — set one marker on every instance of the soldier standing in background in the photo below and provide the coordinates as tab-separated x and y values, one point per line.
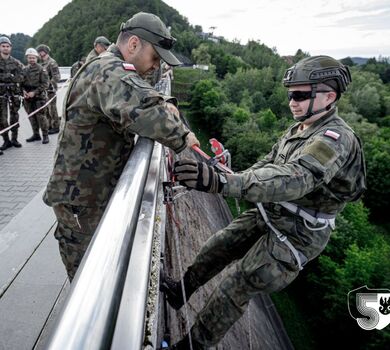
10	77
34	85
76	66
106	106
53	72
299	188
100	45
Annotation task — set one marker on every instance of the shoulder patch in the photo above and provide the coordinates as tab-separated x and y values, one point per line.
321	151
128	66
332	134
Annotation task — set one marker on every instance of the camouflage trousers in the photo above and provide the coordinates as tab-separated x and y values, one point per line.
14	115
38	120
75	229
261	264
51	112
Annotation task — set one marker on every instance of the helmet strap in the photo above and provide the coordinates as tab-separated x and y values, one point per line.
310	112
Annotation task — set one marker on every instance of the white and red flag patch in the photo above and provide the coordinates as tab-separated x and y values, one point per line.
332	134
128	66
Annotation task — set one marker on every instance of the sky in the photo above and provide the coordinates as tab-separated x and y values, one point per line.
338	28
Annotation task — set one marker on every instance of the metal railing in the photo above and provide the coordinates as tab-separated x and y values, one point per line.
108	294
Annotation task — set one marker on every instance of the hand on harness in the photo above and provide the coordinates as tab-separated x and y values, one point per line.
197	175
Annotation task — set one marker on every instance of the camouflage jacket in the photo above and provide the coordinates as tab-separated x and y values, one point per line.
53	72
107	103
10	74
75	67
92	54
35	79
320	168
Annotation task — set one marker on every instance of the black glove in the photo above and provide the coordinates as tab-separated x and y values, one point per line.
199	176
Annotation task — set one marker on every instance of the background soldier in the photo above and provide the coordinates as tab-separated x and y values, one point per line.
100	45
53	72
106	105
35	84
10	76
76	66
305	181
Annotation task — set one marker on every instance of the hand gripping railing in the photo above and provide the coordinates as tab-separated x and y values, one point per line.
109	292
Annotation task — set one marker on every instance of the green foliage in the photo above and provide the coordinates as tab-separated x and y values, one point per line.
72	31
201	54
208	105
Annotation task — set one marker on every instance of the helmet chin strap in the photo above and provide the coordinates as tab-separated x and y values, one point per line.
310	111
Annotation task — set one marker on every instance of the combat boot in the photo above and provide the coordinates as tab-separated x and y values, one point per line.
54	131
174	292
7	143
45	139
34	137
14	141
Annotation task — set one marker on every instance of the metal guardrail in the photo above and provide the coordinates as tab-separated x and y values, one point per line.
116	263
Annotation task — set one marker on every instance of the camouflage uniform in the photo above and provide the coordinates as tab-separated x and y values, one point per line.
92	54
107	103
317	170
37	80
10	76
75	67
53	71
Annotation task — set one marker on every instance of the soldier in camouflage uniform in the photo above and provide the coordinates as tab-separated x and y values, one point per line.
100	45
10	77
34	85
299	188
76	66
106	105
53	71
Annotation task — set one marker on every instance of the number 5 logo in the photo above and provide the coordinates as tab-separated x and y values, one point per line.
370	307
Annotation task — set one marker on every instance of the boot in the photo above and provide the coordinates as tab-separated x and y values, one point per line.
14	141
45	139
54	131
1	152
7	143
173	290
34	137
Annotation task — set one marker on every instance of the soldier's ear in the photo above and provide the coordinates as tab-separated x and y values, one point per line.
133	44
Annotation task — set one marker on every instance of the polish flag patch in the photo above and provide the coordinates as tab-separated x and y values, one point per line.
128	66
332	134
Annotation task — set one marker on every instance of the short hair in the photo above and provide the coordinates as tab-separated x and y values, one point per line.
125	35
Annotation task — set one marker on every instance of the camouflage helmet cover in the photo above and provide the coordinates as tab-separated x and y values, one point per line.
319	69
5	40
43	48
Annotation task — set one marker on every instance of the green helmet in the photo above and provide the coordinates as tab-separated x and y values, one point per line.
5	40
102	40
43	48
319	69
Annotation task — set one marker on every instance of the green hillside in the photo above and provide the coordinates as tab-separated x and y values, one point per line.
70	34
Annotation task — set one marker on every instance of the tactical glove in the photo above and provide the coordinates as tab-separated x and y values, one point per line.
197	175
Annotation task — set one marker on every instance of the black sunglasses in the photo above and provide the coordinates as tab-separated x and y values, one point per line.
300	96
165	43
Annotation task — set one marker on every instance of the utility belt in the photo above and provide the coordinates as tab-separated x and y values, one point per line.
309	216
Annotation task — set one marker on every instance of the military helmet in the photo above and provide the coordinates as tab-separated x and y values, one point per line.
319	69
31	51
102	40
5	40
44	48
